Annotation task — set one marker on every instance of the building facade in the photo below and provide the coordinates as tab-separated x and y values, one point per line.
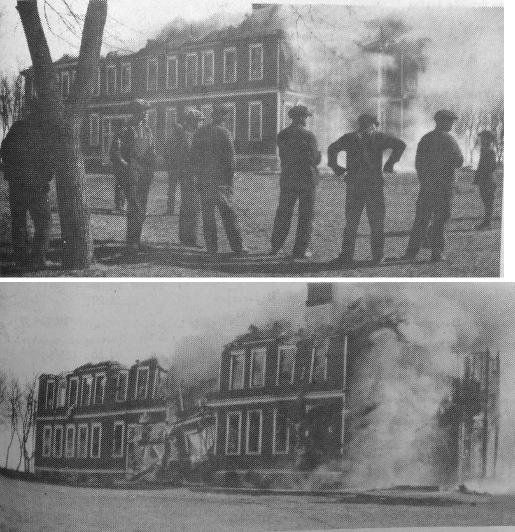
92	420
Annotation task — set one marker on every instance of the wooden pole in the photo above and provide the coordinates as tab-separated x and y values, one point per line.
485	415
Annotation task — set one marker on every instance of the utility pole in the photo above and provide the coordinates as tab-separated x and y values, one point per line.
485	415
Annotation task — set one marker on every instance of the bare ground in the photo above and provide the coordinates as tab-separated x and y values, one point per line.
469	253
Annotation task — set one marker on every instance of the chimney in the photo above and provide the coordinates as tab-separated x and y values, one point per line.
320	306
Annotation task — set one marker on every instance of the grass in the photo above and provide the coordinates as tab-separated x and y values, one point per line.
469	253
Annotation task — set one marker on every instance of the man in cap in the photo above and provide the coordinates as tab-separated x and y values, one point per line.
438	156
27	168
299	154
213	160
364	179
118	174
177	157
134	152
484	177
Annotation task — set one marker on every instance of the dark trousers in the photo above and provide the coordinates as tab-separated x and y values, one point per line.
173	181
283	217
220	197
189	212
136	191
432	206
34	200
357	198
487	193
119	195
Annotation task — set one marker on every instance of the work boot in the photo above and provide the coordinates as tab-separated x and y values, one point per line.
306	255
342	260
485	224
378	261
409	256
437	255
241	252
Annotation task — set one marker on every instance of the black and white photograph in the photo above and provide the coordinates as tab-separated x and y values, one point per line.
169	139
297	406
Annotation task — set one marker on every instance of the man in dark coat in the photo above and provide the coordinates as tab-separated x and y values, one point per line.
177	157
438	156
213	161
299	154
27	168
484	176
134	152
365	182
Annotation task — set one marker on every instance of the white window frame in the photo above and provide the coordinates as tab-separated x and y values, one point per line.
286	348
96	90
59	387
229	415
94	140
119	424
252	352
253	47
204	54
50	381
59	452
126	373
232	105
93	427
80	427
226	50
127	89
152	112
195	55
76	379
66	453
111	67
143	368
255	104
260	440
312	364
64	74
274	439
47	441
168	59
85	377
74	75
236	352
156	61
95	387
168	125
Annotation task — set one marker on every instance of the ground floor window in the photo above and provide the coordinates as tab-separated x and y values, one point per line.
281	441
96	437
254	431
118	439
58	441
82	450
255	121
69	449
47	440
233	437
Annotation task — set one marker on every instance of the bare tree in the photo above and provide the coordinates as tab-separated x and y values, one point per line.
11	100
65	119
13	400
26	420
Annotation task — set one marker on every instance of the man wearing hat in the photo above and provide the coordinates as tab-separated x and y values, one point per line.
438	156
177	157
364	179
484	176
299	154
28	170
133	151
213	161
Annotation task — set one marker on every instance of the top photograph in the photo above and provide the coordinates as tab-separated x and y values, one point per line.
163	139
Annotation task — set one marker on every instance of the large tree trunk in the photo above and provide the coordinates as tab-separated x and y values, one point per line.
66	123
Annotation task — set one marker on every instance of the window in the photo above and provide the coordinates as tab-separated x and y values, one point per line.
319	362
58	441
50	391
230	119
74	388
281	440
286	364
65	84
172	72
257	367
142	383
152	121
96	89
170	120
47	440
152	69
121	386
69	446
286	118
255	120
254	430
94	130
96	439
237	370
126	79
256	62
87	383
233	438
74	75
207	111
118	439
230	65
100	383
61	392
111	79
208	67
191	70
82	443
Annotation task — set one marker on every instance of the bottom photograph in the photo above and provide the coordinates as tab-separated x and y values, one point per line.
234	406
